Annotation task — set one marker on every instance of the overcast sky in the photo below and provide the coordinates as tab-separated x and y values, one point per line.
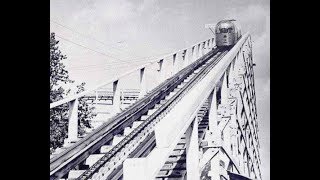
99	36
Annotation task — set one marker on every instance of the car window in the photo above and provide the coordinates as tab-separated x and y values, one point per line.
223	30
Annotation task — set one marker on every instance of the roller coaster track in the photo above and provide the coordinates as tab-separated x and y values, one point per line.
145	112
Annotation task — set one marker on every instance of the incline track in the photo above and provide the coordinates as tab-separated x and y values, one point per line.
61	164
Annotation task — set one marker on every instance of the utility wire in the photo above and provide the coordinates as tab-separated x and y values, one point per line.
92	49
136	60
84	35
106	45
124	62
90	37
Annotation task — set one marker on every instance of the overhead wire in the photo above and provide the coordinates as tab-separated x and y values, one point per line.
108	45
101	53
123	62
92	38
111	64
87	36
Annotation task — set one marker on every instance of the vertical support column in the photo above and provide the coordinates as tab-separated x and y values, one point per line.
224	90
212	43
238	152
245	162
192	156
214	138
73	121
205	47
143	83
116	97
233	132
194	56
227	137
175	64
185	58
242	155
215	171
199	51
232	76
250	42
160	70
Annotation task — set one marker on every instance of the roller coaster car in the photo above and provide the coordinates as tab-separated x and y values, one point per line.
227	33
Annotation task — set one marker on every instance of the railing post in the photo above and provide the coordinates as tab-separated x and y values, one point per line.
160	70
193	55
175	64
73	121
185	58
192	155
143	83
116	97
199	51
203	49
212	43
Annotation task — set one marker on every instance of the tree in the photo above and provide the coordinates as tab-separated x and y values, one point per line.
85	112
59	115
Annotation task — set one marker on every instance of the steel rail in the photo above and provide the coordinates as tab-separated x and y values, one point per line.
89	173
66	160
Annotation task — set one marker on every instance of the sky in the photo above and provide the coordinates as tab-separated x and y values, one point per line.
103	38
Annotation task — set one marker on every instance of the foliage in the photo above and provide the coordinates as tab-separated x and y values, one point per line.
59	115
85	112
